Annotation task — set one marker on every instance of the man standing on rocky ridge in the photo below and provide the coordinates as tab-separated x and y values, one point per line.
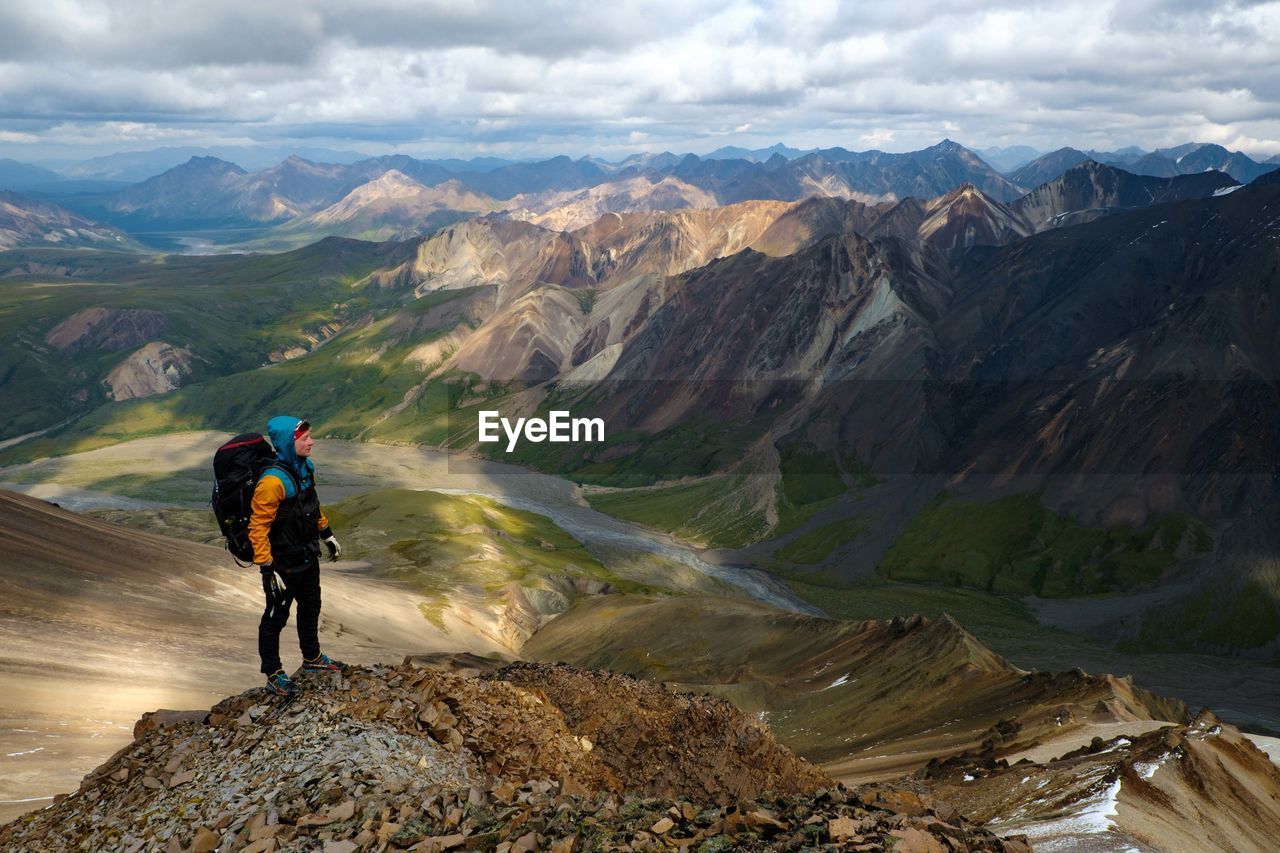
286	528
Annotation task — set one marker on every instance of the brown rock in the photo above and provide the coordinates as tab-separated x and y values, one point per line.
339	847
151	782
903	802
206	841
662	827
841	827
262	831
565	845
346	811
386	831
912	840
163	719
526	843
439	843
573	788
761	819
262	845
182	778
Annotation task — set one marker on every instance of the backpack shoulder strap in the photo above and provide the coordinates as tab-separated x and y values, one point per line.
288	479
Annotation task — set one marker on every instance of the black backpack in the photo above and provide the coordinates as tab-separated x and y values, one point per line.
236	468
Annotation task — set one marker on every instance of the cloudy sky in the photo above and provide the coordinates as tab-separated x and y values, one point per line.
522	77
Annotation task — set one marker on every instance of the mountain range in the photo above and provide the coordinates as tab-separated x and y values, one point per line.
957	341
298	201
1186	159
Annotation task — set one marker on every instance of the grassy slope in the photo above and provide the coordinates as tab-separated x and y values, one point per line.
342	387
230	311
1240	617
1016	545
705	512
438	542
814	546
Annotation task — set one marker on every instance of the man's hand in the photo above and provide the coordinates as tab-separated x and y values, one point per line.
273	579
331	542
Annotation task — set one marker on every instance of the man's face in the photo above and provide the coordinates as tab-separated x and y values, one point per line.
302	445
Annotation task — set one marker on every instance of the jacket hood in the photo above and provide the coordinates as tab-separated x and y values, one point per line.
280	431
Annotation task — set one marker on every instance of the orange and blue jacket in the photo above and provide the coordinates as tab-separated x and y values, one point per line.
270	492
288	477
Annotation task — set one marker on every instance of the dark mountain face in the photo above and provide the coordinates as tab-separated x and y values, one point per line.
1188	159
1142	345
1236	164
1091	190
1156	165
1046	168
202	189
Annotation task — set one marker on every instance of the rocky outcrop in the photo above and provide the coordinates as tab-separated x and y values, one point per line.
32	222
313	338
156	368
725	754
106	329
1197	787
397	757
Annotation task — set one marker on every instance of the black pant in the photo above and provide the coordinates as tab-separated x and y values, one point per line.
301	585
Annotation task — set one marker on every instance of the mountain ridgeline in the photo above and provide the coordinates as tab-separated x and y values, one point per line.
297	201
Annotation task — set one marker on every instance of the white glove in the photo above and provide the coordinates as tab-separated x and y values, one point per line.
331	542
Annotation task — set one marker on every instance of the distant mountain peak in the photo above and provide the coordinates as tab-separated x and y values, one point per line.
210	164
393	181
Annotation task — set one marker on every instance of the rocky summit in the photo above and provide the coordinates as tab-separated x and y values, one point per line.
528	757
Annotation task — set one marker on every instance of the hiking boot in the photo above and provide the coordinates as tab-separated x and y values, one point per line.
280	683
323	663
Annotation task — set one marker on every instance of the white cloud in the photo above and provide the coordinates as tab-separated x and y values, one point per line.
579	77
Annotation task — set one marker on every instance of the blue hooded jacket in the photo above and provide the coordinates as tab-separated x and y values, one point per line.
280	431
